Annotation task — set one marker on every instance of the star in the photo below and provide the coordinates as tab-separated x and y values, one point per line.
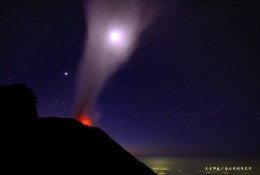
66	73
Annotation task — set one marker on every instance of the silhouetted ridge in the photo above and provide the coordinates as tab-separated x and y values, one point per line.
58	145
18	104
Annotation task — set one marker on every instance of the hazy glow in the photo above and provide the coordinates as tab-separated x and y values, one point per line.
114	36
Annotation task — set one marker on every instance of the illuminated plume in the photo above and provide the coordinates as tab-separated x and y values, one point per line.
113	27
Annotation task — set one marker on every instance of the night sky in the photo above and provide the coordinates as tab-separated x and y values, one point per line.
192	86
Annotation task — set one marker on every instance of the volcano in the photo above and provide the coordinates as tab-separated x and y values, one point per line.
85	147
56	145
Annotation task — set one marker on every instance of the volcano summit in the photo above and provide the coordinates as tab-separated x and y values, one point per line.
56	145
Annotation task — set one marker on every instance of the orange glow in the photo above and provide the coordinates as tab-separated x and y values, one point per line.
84	119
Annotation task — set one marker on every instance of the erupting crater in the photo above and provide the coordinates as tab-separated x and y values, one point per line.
84	119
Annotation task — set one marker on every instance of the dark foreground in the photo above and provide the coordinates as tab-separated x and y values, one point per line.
56	145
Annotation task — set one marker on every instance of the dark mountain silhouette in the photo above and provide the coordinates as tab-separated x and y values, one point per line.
56	145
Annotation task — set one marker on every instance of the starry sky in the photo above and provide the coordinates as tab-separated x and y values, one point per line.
191	87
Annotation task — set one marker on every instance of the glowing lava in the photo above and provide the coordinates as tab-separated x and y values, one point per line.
84	119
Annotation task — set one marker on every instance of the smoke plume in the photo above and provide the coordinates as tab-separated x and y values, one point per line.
113	27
